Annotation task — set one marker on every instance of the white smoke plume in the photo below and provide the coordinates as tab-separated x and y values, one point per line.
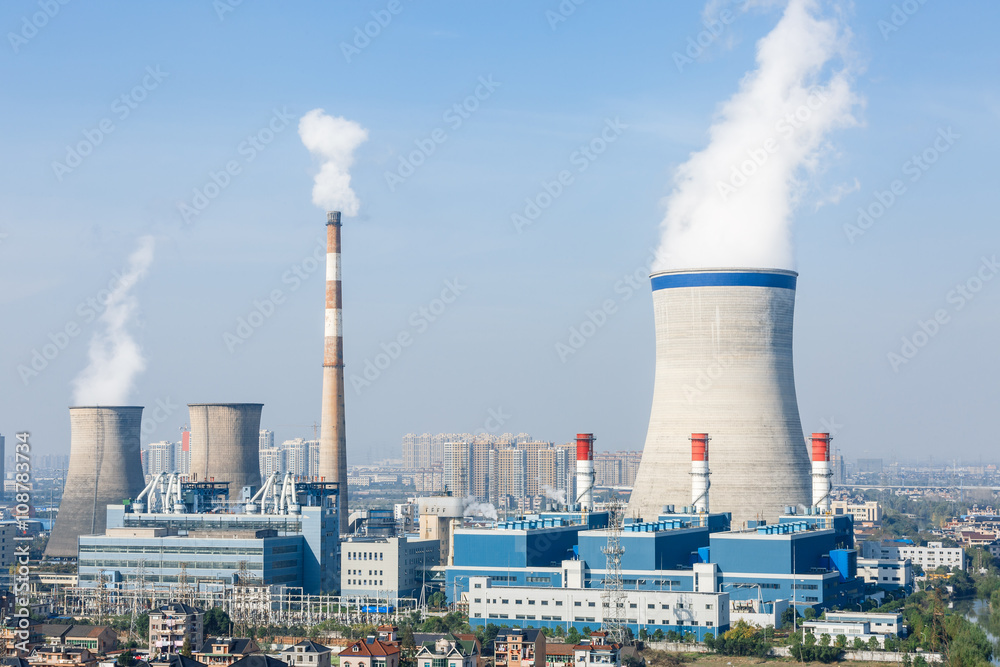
333	140
558	495
475	508
115	357
732	202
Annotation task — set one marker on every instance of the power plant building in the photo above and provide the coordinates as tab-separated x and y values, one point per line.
724	366
105	468
180	534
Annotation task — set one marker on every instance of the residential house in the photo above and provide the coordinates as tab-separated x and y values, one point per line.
307	654
449	651
225	651
259	660
171	624
597	651
97	638
370	652
62	656
519	647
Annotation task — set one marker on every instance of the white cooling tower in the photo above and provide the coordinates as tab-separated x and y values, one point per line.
724	366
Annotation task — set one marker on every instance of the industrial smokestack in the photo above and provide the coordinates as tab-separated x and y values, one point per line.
225	444
585	471
333	434
821	472
724	361
699	472
104	469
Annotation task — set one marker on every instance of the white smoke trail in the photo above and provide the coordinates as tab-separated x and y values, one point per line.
475	508
333	140
115	357
558	495
732	201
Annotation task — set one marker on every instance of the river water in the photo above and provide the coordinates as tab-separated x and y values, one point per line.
978	611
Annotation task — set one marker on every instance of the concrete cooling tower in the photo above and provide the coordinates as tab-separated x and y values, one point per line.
724	366
104	468
225	444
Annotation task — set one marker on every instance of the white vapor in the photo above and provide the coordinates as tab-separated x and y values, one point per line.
115	357
558	495
333	140
475	508
732	202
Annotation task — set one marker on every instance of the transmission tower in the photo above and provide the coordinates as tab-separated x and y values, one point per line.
139	585
613	598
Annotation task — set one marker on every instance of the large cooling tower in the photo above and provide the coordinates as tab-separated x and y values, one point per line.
724	366
225	444
104	468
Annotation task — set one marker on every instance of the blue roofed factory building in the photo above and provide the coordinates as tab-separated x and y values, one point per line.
795	560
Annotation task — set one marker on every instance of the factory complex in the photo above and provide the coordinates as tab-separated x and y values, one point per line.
724	426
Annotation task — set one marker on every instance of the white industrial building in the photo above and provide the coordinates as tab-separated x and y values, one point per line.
886	572
857	625
386	566
683	611
929	558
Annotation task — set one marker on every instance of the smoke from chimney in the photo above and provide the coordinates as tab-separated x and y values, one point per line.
333	140
115	357
732	201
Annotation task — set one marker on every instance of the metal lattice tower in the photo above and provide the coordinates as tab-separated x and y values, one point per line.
613	598
139	581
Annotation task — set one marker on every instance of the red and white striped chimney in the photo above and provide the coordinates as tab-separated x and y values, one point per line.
585	471
333	438
699	472
821	472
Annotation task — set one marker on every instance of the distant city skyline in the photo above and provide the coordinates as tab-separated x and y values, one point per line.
509	211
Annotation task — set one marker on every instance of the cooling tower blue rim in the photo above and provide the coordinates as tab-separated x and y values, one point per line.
783	280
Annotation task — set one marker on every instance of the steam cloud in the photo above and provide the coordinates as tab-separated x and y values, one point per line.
558	495
333	140
115	358
732	201
476	508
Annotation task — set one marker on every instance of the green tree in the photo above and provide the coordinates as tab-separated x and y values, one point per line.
572	635
858	644
217	622
840	642
873	644
125	659
658	635
437	600
186	648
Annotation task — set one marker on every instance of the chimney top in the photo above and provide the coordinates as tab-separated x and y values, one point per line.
333	217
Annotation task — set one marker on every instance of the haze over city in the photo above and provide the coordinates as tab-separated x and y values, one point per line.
476	268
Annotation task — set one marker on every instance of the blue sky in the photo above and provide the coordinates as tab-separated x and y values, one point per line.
493	350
